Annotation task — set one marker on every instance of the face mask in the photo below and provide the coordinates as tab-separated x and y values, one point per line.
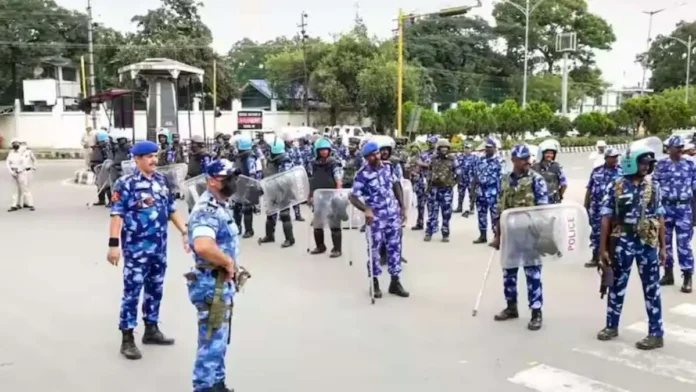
15	147
229	186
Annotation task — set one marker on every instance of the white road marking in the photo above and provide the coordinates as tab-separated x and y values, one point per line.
674	333
688	310
545	378
649	362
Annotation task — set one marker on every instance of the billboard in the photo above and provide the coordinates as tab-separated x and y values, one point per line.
247	119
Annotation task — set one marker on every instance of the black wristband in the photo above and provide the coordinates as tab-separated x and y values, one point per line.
114	242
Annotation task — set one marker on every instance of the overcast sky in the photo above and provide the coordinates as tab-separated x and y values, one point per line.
231	20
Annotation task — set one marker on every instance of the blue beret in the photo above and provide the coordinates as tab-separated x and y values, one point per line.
145	147
370	148
220	168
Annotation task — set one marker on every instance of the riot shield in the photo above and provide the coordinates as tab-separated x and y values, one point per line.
284	190
247	191
192	189
128	167
653	142
534	153
534	235
175	175
102	175
333	210
407	189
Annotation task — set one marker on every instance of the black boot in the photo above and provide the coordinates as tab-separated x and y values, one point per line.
221	387
397	289
270	233
686	286
13	209
650	343
153	335
417	227
668	277
445	238
128	347
466	214
594	262
377	293
482	239
319	241
289	236
535	323
248	224
427	237
607	334
337	240
458	209
508	313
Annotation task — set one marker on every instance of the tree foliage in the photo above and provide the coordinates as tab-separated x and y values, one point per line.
594	124
667	58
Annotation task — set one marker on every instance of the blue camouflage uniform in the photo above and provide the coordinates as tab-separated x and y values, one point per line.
440	198
630	246
600	177
532	268
487	174
465	168
677	181
341	151
307	156
374	187
419	180
145	205
211	218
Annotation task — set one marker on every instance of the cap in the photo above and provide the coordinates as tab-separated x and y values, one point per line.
220	168
144	147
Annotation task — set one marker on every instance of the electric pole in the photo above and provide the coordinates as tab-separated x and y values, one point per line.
647	51
303	36
90	43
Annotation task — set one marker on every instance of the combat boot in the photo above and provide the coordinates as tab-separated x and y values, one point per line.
337	240
482	239
319	240
13	209
535	323
427	238
397	289
417	227
221	387
154	336
128	347
376	292
458	209
248	234
594	262
508	313
607	334
650	343
686	286
445	238
289	236
668	277
466	214
270	231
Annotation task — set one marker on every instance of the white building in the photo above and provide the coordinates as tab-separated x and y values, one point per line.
608	102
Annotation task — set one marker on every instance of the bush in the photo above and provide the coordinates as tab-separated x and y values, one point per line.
565	142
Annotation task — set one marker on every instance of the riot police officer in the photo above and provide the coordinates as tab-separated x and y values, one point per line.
551	170
246	163
199	157
278	162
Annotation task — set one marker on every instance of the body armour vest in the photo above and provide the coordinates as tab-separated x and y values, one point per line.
520	195
352	167
241	163
273	165
551	171
121	154
322	177
442	171
194	166
179	156
162	155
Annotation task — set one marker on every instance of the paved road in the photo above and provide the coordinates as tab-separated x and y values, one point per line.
305	323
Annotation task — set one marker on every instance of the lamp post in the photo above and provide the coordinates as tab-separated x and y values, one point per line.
645	60
689	48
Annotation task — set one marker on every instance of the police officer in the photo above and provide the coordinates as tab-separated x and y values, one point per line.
553	173
396	173
293	153
521	188
19	166
102	152
327	175
247	165
278	162
465	167
677	178
199	157
633	226
178	149
354	161
142	206
218	145
600	177
440	189
340	150
487	175
215	245
378	194
306	153
228	150
419	179
165	156
122	152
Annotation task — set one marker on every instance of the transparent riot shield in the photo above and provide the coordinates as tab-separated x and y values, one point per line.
175	174
333	210
534	153
284	190
192	189
128	167
102	175
653	142
247	191
407	189
535	235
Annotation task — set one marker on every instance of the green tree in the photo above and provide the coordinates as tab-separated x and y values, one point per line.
550	18
657	113
432	123
667	58
622	120
559	126
539	115
594	124
470	118
510	119
546	88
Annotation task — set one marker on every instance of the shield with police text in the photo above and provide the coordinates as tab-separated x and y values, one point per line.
247	190
102	175
534	235
333	210
284	190
128	167
175	175
192	189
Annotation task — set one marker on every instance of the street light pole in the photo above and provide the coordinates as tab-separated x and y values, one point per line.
527	11
647	51
689	48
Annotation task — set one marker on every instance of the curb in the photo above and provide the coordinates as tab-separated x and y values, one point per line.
577	149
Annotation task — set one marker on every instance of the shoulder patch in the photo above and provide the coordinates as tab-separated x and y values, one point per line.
115	196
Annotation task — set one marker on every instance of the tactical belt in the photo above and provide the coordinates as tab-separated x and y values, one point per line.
675	202
216	307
